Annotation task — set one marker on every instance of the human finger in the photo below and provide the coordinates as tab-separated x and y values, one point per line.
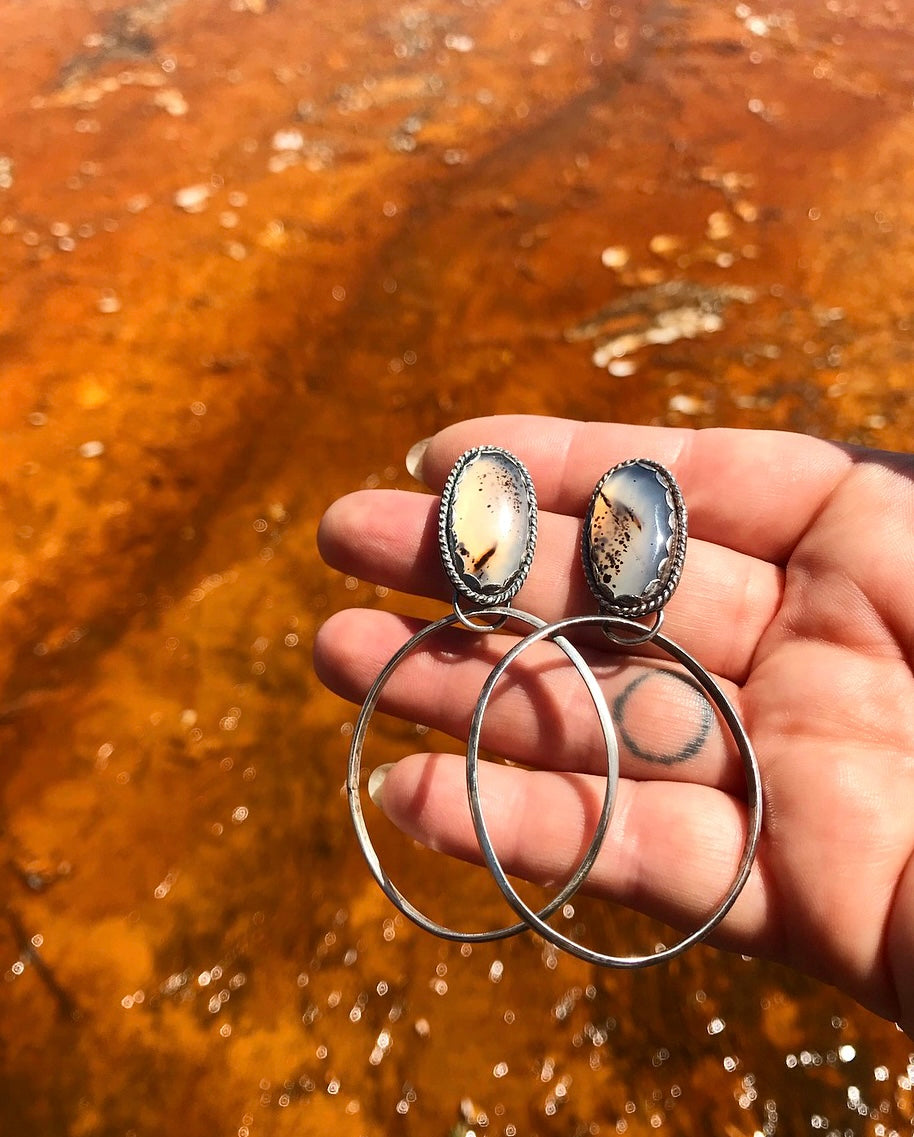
753	491
724	602
540	713
671	851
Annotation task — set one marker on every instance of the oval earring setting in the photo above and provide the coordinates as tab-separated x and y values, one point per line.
633	545
487	525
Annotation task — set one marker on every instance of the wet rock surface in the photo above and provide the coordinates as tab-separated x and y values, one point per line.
247	259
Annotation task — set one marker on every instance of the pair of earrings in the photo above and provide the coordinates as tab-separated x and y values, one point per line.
633	549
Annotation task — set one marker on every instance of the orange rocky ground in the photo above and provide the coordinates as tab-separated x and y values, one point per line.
249	252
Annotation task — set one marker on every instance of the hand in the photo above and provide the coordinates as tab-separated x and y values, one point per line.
797	594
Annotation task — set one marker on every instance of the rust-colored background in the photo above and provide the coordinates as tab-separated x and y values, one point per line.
249	252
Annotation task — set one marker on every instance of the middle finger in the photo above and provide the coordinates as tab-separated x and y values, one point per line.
539	713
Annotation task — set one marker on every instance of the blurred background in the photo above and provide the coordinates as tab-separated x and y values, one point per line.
250	251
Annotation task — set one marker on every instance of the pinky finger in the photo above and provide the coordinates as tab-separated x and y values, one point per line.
672	849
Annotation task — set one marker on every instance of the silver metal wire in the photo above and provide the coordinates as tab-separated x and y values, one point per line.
470	623
646	633
620	627
355	766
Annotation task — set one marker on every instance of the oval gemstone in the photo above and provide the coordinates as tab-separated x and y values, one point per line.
487	525
634	537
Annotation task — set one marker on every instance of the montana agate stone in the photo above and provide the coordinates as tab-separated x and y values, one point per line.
487	525
634	538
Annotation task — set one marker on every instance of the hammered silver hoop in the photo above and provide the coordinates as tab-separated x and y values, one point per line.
728	714
353	780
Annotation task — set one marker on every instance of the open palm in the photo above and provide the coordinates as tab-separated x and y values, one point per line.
797	594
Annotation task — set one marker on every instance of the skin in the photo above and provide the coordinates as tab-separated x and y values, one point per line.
796	594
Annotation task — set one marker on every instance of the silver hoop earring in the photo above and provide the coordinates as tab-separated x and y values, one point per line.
633	549
486	537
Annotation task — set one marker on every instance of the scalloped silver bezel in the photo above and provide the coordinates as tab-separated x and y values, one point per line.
659	591
446	529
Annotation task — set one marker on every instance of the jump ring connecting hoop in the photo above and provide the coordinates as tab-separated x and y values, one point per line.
644	635
467	621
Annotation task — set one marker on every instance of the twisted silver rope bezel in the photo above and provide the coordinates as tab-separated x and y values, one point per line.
671	567
505	595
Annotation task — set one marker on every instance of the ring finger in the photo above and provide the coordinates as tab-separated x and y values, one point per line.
539	713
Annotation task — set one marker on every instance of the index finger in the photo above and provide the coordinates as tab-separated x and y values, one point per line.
754	491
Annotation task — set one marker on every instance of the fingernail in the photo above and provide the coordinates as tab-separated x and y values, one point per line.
376	782
415	456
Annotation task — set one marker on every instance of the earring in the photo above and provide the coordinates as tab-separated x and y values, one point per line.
486	538
633	548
